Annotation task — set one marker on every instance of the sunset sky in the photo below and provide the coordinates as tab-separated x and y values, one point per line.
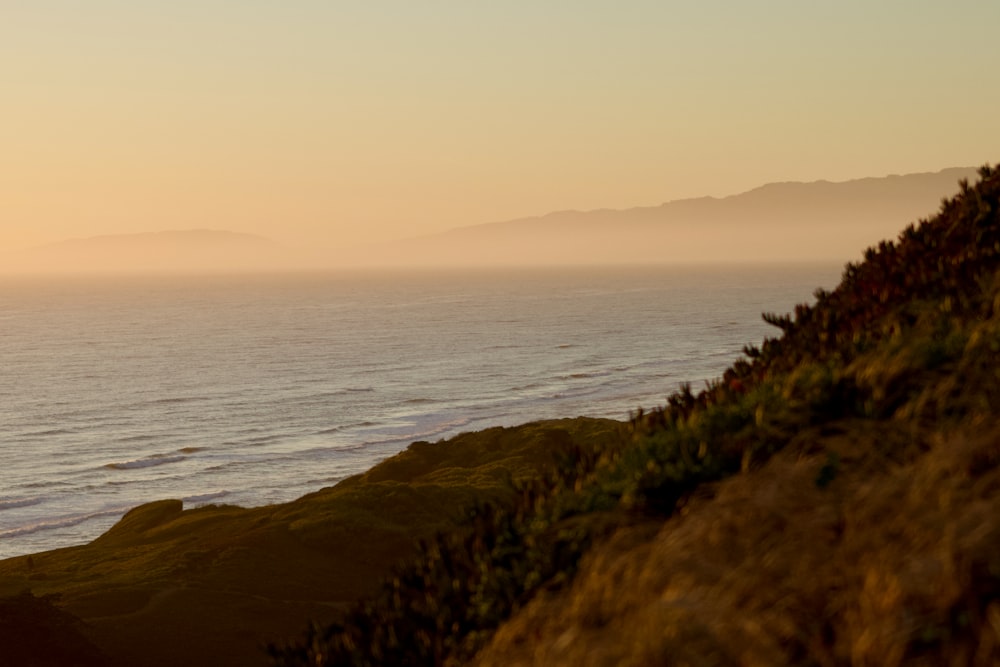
334	122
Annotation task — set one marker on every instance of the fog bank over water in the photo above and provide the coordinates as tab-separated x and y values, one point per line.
778	222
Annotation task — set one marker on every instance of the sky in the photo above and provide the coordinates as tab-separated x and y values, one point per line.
329	123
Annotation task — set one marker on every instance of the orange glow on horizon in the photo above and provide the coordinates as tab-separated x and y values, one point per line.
327	126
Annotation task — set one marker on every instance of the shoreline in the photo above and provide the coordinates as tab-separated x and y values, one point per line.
168	570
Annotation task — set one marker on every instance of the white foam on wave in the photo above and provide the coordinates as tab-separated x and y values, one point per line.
204	497
438	429
46	433
385	437
172	400
62	522
14	503
156	460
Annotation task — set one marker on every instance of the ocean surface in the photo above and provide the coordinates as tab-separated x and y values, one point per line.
254	390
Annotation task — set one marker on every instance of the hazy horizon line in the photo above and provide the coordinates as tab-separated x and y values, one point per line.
773	223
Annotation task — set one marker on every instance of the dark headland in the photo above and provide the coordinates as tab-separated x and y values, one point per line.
832	499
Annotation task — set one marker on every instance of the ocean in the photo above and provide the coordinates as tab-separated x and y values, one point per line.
250	390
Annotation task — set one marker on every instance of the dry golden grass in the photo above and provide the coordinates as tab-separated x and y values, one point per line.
891	563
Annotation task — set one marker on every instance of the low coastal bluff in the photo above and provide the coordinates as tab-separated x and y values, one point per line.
831	499
213	585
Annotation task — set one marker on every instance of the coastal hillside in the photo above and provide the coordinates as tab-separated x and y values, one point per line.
832	499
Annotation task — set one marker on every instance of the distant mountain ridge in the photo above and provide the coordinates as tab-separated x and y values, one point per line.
821	220
788	221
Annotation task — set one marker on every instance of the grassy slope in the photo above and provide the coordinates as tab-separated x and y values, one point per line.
212	585
891	562
872	536
831	500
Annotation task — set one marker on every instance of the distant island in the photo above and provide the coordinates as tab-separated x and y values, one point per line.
832	498
172	251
